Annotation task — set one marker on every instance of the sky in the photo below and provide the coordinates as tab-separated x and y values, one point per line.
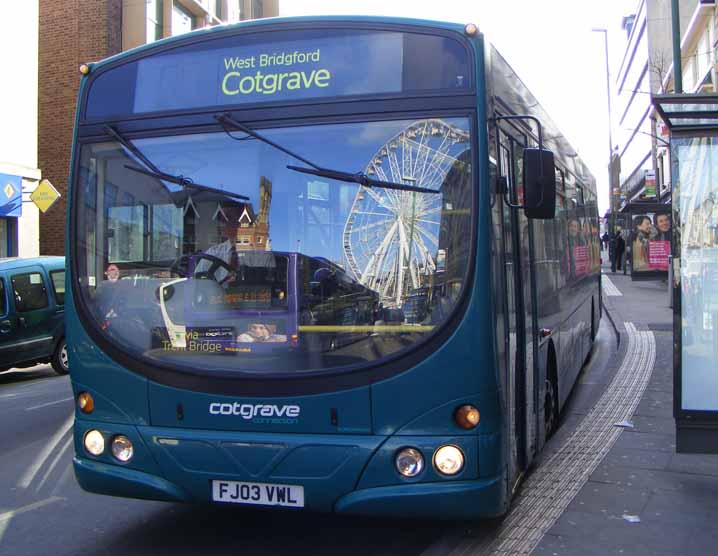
550	44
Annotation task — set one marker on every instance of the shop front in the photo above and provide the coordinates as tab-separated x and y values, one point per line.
10	212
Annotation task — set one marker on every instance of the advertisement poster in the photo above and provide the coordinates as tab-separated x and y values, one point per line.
581	259
650	242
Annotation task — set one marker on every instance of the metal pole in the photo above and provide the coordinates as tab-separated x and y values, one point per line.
677	66
611	194
670	281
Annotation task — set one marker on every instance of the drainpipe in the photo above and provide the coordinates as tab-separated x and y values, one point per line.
677	66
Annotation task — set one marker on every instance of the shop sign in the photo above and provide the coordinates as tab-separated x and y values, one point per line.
45	195
10	195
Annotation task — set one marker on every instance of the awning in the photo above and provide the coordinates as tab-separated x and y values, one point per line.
688	112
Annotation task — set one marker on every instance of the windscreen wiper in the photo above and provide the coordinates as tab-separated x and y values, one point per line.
155	172
186	182
360	177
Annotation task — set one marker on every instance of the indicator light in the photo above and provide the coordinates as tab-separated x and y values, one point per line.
471	29
85	402
467	416
84	69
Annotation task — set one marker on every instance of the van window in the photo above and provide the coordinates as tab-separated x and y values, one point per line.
58	284
3	303
30	292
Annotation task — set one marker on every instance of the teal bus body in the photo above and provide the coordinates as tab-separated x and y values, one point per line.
510	314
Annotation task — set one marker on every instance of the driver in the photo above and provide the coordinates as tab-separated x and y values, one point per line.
226	251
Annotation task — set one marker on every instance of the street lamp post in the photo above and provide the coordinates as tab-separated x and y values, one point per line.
612	195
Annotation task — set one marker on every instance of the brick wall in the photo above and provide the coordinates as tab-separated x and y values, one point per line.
71	32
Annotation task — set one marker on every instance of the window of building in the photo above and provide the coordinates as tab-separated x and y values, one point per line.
182	20
155	19
58	285
30	292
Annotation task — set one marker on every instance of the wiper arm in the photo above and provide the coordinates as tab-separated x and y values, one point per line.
361	178
155	172
130	146
316	170
186	182
225	119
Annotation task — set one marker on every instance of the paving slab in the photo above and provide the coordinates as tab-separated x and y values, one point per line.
673	496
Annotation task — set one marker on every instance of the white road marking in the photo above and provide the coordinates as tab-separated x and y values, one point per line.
30	507
47	404
55	461
51	445
6	518
609	288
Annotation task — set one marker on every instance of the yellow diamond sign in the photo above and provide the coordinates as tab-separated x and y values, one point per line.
9	190
44	195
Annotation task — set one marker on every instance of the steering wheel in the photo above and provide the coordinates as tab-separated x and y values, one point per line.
215	264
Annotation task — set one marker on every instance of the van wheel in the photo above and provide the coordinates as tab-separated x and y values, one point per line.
59	358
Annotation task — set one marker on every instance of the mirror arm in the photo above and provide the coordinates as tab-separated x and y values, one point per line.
538	129
540	146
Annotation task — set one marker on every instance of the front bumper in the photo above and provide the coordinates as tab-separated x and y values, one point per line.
476	499
352	474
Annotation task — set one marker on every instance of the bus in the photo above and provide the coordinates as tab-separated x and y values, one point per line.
398	185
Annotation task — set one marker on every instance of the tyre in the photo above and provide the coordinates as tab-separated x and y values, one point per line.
59	358
550	409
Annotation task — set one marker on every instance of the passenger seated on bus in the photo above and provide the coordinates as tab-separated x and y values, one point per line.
259	332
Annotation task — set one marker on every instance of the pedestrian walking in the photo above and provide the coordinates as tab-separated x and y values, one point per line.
619	250
605	240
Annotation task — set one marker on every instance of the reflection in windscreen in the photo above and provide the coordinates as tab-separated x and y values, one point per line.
306	274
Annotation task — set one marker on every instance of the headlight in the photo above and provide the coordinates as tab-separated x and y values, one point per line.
95	442
448	460
122	448
409	462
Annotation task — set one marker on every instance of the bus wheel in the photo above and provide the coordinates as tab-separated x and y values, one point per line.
59	358
593	324
550	408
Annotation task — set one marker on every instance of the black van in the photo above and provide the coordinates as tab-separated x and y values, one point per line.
32	310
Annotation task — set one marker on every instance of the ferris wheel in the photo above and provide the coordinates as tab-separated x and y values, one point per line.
391	238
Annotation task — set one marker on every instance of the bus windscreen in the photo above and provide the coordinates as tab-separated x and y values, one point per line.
288	271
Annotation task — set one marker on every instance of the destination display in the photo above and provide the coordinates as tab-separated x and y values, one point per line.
286	66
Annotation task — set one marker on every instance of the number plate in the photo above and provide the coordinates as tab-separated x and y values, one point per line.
263	494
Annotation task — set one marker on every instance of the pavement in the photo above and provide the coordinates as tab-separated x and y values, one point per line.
642	498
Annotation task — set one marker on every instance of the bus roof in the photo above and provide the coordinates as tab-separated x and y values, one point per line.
207	32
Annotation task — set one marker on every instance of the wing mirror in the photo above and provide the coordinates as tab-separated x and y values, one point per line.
539	184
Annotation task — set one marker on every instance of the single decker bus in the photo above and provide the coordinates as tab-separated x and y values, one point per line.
336	264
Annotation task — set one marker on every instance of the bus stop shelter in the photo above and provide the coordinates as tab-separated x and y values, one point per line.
693	124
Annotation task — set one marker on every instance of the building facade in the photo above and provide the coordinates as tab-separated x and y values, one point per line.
641	141
72	32
19	171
